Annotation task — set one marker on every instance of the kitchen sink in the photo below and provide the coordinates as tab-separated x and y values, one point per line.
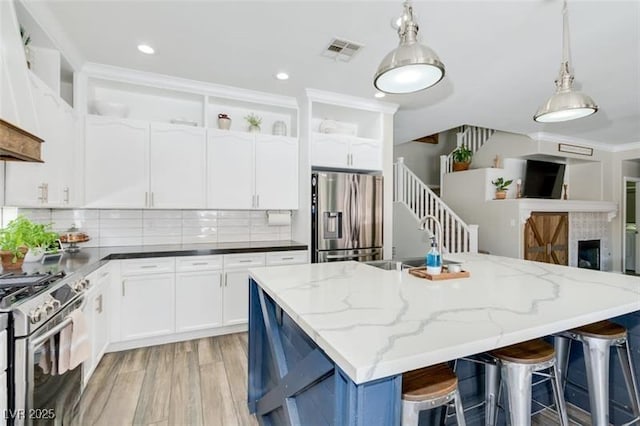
387	265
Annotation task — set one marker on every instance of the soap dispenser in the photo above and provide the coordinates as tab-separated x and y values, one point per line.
434	261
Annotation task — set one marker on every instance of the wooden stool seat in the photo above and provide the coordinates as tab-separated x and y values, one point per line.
428	383
602	330
532	352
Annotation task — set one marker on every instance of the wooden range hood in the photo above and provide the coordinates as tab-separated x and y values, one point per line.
17	144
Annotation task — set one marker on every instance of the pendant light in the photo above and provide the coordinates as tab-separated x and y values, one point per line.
411	66
566	104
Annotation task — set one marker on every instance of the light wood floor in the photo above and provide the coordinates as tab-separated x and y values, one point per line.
199	382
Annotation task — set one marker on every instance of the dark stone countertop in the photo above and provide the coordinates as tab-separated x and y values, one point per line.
89	259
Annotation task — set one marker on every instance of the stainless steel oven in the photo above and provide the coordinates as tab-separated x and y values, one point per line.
39	394
47	397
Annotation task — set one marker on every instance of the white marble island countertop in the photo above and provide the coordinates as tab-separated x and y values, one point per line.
375	323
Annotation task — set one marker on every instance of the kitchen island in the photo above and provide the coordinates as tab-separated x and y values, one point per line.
328	342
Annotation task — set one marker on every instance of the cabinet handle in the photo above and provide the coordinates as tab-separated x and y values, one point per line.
66	195
258	200
123	288
253	200
152	199
99	308
104	274
245	261
148	266
46	192
225	279
199	263
287	258
146	199
41	190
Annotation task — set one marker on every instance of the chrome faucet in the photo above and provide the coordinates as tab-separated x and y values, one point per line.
423	227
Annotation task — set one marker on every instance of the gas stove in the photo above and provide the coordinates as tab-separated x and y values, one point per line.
35	298
17	287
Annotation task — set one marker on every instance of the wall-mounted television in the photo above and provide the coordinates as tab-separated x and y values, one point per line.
543	179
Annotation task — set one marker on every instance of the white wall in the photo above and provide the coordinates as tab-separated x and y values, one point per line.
424	158
409	241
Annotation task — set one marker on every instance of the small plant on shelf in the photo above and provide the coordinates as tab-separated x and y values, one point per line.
22	235
461	158
254	122
501	187
26	40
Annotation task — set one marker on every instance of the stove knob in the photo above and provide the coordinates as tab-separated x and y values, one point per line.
49	307
77	286
34	316
87	283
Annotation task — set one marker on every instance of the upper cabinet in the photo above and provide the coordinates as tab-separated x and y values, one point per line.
252	171
16	103
346	134
132	164
52	183
152	142
116	163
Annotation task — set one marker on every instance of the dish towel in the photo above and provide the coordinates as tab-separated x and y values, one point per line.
80	346
53	355
64	350
45	360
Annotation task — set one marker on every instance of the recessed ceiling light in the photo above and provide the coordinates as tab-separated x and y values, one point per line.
379	95
282	76
145	48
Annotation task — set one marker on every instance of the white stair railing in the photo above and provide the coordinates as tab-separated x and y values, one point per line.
457	236
471	137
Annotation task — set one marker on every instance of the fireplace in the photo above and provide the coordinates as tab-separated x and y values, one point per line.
589	254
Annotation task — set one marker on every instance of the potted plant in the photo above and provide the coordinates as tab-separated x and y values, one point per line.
40	241
26	40
461	158
501	187
254	122
13	242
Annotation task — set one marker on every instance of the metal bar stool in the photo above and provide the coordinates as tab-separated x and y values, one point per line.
429	388
517	365
597	339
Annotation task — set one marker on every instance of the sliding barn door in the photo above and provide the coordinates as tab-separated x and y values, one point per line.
546	238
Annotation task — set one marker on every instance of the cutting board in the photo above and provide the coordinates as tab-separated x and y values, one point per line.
421	272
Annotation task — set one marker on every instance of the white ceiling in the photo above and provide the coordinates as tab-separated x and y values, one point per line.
501	56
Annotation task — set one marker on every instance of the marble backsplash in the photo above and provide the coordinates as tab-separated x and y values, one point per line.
137	227
590	226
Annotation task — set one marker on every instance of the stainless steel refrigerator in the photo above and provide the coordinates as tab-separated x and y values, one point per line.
346	217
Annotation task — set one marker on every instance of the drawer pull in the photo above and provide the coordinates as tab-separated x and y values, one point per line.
288	258
200	263
149	266
245	261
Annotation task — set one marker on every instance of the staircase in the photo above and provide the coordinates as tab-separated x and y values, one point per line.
458	237
471	137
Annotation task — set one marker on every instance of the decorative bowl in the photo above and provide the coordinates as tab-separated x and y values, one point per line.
112	109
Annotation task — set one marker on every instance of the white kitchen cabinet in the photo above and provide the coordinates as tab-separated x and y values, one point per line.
276	172
177	167
236	286
198	293
330	150
252	171
366	154
97	317
231	170
291	257
345	152
116	163
147	298
48	184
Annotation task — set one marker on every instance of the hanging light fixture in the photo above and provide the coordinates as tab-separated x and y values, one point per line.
566	104
411	66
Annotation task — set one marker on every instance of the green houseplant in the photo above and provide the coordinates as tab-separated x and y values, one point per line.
461	158
21	235
501	187
41	240
254	122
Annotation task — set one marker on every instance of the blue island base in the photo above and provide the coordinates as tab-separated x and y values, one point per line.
293	382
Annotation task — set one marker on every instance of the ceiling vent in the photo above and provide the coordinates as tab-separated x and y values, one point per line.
342	50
